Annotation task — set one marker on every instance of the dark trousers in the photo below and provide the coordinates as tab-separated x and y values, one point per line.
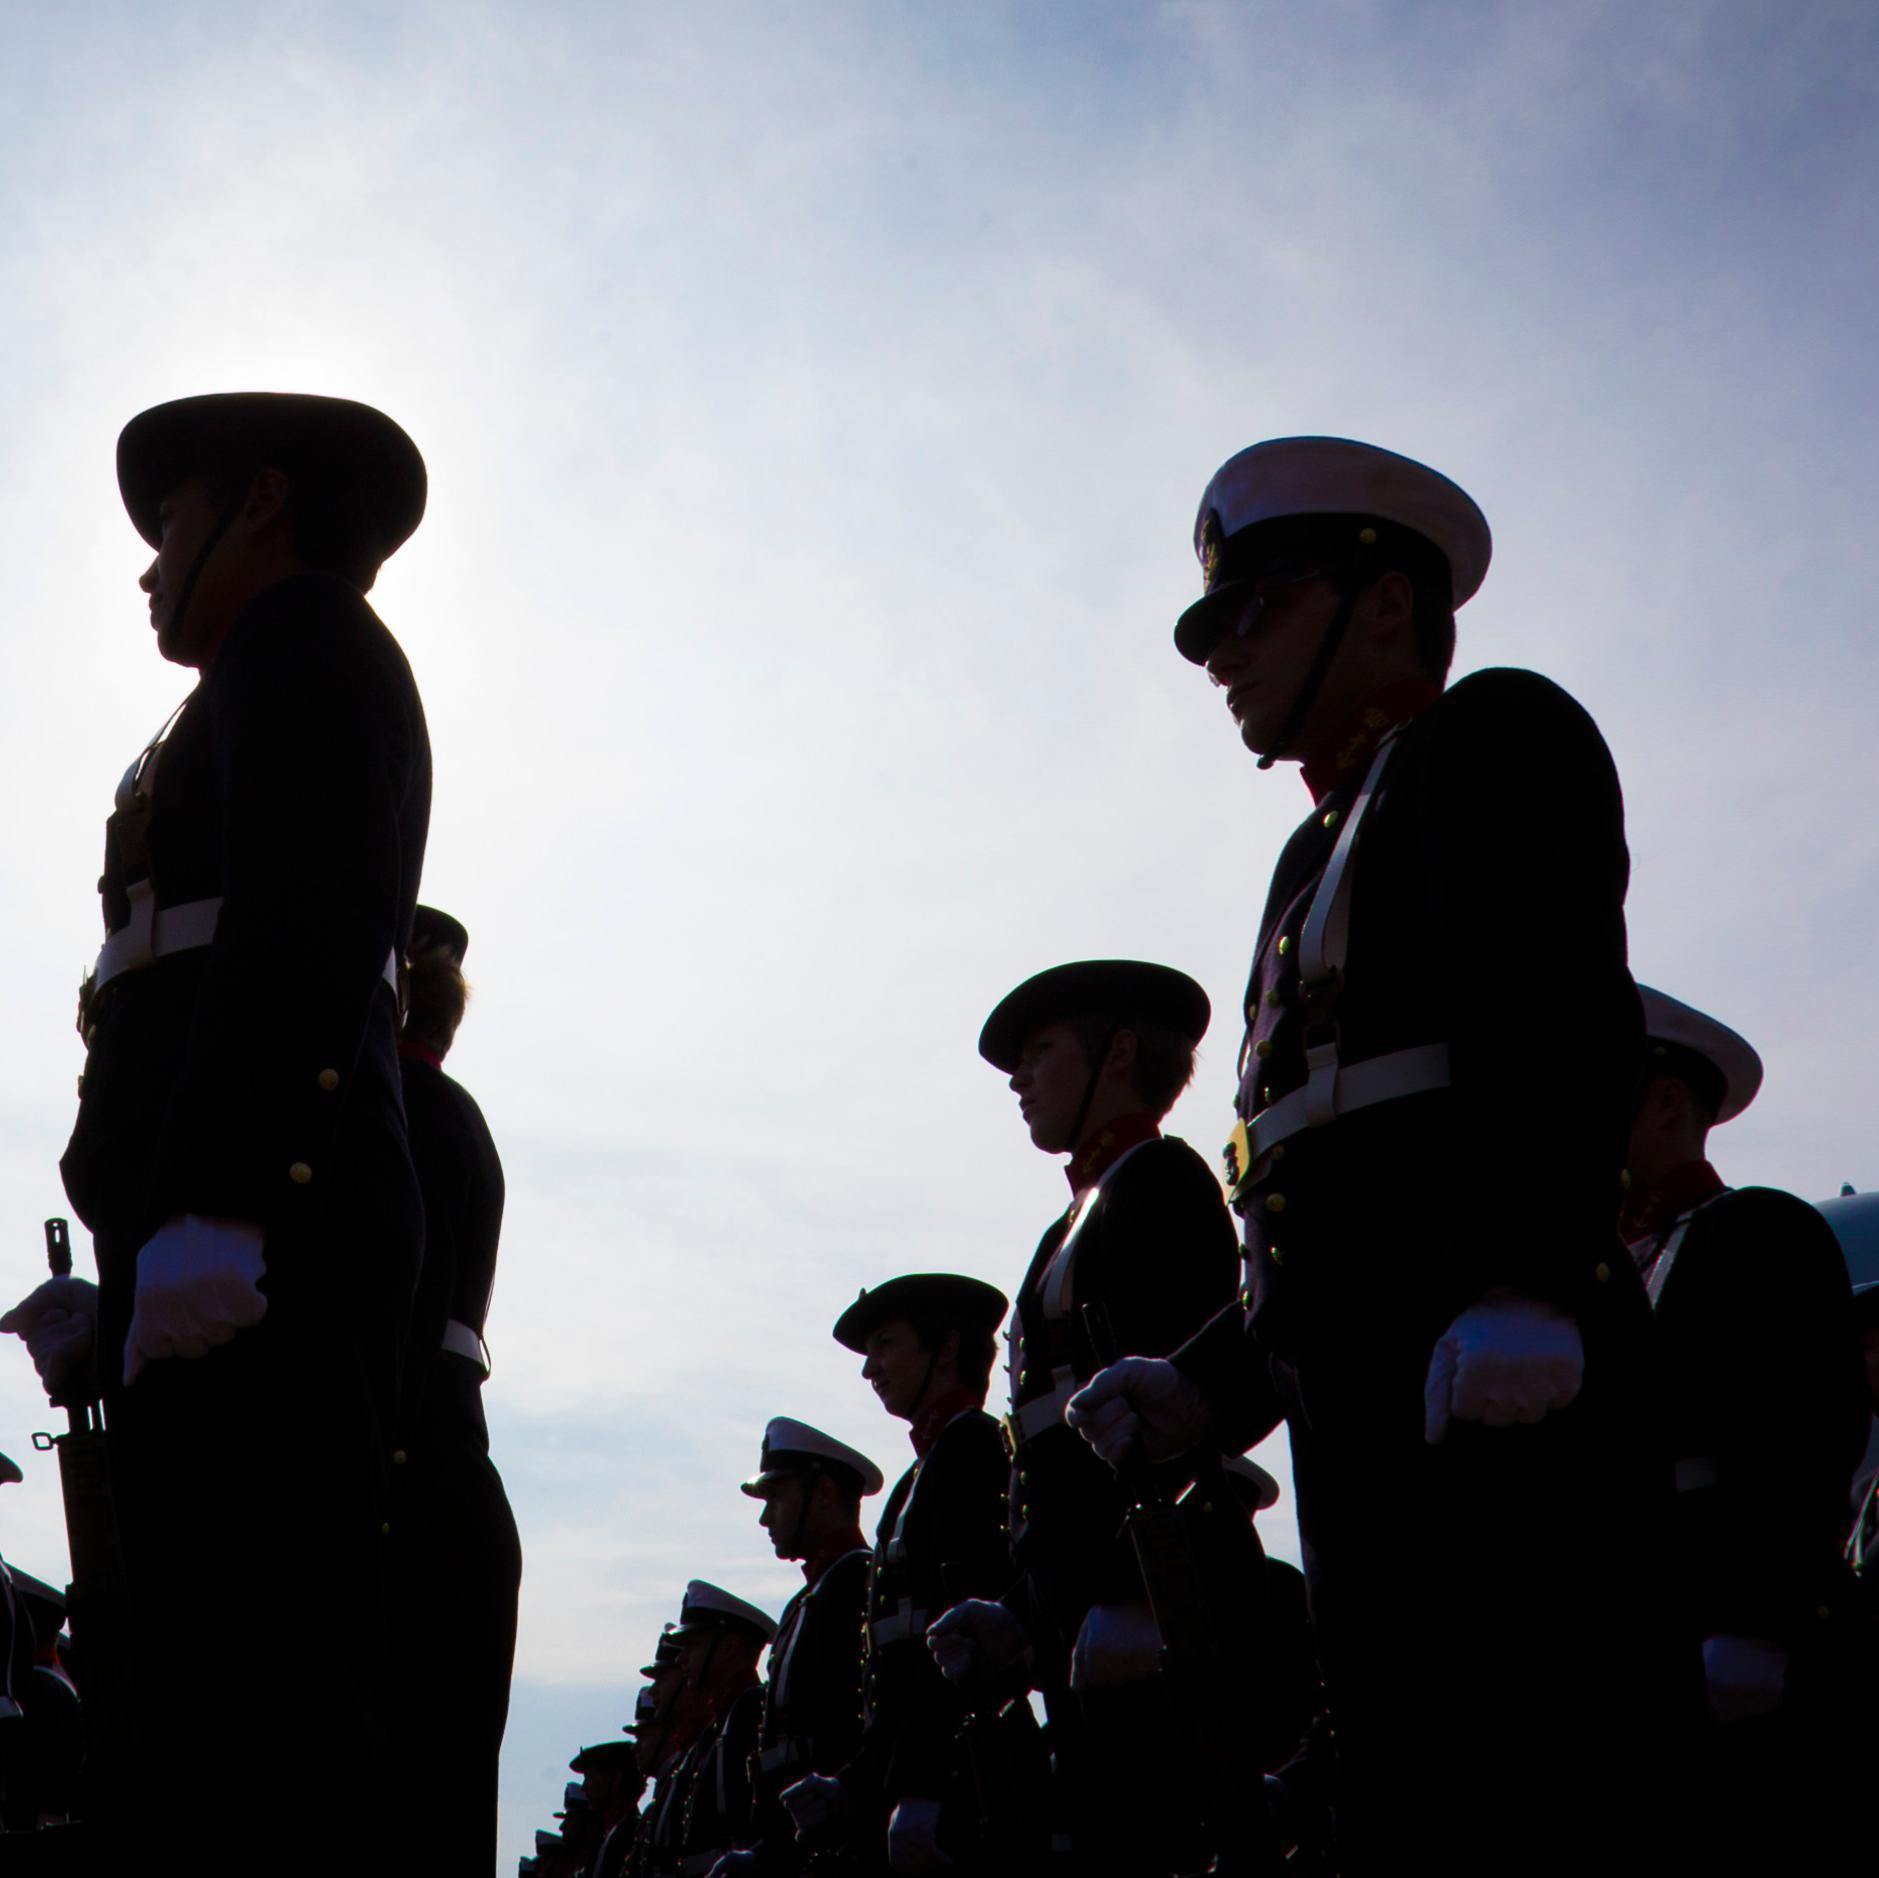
1505	1694
249	1486
456	1568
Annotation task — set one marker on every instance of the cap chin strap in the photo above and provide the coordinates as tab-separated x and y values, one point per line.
809	1476
1089	1089
211	542
1348	590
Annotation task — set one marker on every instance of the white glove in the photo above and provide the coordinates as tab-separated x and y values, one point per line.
59	1322
1118	1644
1746	1677
197	1287
976	1639
1507	1359
815	1803
734	1865
1140	1402
913	1838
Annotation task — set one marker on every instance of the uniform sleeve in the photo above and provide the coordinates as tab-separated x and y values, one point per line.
1523	826
315	749
1224	1359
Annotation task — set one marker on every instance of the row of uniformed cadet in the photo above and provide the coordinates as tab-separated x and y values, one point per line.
294	1209
1573	1503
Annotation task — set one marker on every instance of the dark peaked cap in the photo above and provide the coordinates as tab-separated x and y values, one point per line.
348	451
925	1297
1093	988
430	929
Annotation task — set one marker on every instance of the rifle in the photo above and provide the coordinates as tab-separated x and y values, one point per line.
1194	1674
98	1598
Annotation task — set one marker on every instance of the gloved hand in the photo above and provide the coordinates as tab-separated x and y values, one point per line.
735	1865
1118	1644
1747	1677
59	1322
1141	1403
1507	1359
817	1804
197	1287
913	1838
976	1639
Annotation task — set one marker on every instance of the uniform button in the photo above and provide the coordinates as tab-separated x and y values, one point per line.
1246	1298
1263	1048
1602	1272
1276	1256
1285	944
300	1173
384	1532
1624	1180
329	1080
91	1036
1275	1203
1331	818
1265	1095
397	1457
1273	1000
81	1084
1277	1153
1024	1376
1024	1480
1823	1612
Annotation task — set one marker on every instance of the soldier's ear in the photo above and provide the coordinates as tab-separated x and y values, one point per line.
266	500
1124	1048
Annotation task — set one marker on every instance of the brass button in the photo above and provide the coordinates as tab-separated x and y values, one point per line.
1285	944
1275	1203
1276	1256
1246	1298
1263	1048
1273	1000
329	1080
384	1532
1331	818
1602	1272
1024	1479
1265	1095
1277	1153
91	1036
397	1457
1823	1612
1624	1179
300	1173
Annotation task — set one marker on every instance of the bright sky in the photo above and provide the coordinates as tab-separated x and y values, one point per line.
816	399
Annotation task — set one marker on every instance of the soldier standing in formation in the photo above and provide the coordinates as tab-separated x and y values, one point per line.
1097	1053
454	1556
928	1343
1769	1416
811	1486
1433	1284
240	1153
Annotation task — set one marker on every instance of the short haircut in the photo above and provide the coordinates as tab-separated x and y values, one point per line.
978	1347
329	533
1164	1059
1426	569
436	996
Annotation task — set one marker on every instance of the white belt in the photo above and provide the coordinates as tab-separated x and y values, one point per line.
461	1340
1027	1423
1698	1471
897	1626
155	932
1346	1087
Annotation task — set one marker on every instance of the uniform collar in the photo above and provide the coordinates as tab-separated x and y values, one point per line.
1680	1191
416	1052
826	1555
1107	1146
1342	757
934	1417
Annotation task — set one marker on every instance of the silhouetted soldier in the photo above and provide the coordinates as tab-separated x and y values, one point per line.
454	1557
811	1486
720	1638
1769	1416
928	1343
1441	1049
240	1152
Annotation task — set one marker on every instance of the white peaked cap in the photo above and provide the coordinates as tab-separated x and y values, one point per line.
790	1446
708	1603
1683	1027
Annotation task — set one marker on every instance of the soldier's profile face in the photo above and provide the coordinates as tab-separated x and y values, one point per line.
782	1513
896	1367
185	517
1263	668
1052	1074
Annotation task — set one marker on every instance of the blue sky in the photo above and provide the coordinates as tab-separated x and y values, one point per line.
816	400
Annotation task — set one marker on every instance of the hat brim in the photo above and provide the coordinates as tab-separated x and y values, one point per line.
921	1297
761	1486
431	929
354	451
1120	988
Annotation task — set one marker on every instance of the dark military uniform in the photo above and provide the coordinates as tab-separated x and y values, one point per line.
1442	1044
812	1700
1769	1414
455	1557
941	1538
256	1078
720	1801
1150	1242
